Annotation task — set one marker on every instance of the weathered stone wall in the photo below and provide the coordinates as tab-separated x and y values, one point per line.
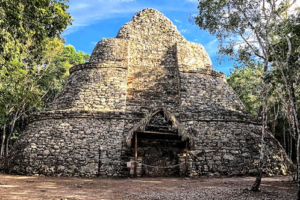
112	51
100	84
69	146
94	87
192	56
206	95
231	148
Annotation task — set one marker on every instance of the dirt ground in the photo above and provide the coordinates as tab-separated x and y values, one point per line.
33	187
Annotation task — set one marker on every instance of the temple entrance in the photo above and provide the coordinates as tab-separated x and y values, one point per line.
160	154
158	149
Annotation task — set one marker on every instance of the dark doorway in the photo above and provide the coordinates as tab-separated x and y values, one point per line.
160	154
159	148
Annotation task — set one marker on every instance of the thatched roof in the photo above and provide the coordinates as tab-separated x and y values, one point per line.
141	125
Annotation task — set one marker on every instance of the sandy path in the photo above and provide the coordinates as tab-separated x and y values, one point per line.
32	187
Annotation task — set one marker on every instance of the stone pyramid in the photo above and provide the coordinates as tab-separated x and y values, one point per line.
150	83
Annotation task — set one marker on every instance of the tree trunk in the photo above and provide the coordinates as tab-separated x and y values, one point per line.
12	128
291	147
256	185
288	144
296	130
284	140
292	108
274	121
3	142
298	166
274	127
298	148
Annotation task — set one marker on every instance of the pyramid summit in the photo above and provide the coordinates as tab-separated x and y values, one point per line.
149	97
151	24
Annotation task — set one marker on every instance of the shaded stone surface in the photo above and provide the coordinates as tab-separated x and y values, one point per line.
148	68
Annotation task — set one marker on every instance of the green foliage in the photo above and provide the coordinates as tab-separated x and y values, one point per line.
254	32
285	52
247	83
26	29
24	90
244	28
29	42
58	70
26	24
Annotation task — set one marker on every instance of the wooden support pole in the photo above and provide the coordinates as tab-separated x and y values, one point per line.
186	158
135	154
99	163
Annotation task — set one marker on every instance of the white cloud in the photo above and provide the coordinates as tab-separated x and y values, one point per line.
183	31
79	6
192	1
91	11
176	20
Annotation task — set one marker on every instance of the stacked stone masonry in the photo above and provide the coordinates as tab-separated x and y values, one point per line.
148	68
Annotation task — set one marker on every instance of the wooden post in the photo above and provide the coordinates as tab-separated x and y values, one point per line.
135	154
186	158
99	163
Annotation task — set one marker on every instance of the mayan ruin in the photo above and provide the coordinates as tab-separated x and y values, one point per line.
148	103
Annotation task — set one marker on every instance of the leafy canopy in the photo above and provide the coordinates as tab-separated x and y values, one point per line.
26	24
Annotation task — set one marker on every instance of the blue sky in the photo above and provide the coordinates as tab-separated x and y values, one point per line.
97	19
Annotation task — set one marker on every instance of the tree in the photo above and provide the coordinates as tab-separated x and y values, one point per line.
247	83
249	26
57	70
26	26
285	57
23	92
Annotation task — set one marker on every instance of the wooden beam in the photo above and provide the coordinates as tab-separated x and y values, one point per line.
157	126
135	154
159	133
